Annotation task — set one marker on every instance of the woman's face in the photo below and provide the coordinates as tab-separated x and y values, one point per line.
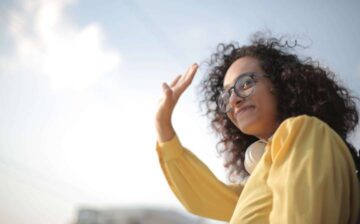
256	114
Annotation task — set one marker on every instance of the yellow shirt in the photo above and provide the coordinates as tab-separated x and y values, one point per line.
306	175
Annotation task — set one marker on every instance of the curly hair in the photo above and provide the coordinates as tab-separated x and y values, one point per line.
302	86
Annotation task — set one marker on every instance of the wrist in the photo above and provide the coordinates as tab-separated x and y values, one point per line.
165	134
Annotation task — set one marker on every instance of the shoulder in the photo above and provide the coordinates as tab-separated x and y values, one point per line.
303	119
305	132
303	124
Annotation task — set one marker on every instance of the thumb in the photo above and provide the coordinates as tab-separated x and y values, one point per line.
167	91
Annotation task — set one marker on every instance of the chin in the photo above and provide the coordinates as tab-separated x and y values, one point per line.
249	123
247	126
247	131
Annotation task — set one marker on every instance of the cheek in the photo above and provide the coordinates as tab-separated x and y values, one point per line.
268	106
264	97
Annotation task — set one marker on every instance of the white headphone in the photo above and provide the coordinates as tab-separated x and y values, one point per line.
253	155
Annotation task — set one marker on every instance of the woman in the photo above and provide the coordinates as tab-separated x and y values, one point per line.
283	124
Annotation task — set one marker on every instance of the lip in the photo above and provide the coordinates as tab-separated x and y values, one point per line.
243	109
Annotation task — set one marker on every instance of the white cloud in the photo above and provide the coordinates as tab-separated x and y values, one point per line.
48	42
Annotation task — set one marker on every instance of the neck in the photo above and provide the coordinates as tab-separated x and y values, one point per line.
266	136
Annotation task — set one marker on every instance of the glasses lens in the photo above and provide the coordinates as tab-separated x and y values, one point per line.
244	86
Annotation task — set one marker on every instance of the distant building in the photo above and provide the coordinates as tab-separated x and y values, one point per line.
135	216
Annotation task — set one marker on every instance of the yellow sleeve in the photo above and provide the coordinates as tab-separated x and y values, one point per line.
312	176
195	186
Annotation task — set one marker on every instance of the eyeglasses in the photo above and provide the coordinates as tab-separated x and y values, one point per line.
244	87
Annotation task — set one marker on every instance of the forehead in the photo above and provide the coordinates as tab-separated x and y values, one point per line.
241	66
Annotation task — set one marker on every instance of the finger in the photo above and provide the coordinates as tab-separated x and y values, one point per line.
191	70
166	89
189	76
168	99
175	81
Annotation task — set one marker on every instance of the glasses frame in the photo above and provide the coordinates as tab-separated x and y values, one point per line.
233	89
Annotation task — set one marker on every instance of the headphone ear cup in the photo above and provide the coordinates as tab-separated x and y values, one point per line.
253	155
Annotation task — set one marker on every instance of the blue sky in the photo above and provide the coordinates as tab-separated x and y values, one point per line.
80	81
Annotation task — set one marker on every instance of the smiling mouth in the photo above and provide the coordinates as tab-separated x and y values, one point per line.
244	110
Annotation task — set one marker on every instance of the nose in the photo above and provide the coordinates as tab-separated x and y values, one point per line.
234	100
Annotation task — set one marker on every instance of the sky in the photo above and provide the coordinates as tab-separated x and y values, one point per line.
80	82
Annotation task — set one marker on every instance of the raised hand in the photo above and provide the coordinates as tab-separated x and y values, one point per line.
171	95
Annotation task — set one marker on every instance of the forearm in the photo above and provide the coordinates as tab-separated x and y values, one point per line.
196	187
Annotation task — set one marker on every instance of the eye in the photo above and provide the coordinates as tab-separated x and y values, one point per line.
245	83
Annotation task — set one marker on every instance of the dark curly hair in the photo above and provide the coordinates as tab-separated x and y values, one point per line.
302	87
